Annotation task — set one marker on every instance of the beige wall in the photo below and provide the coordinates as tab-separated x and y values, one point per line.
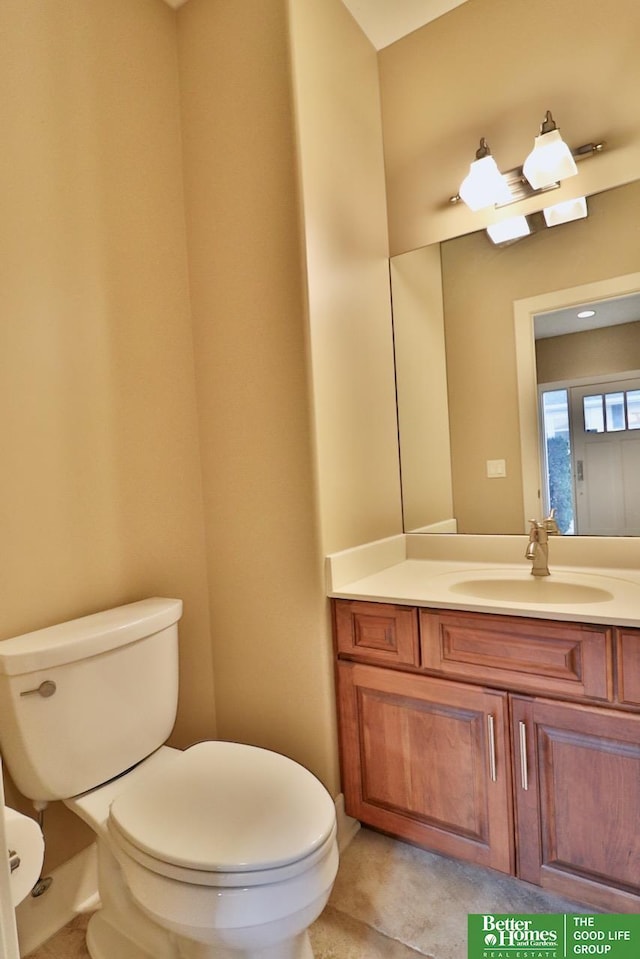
481	282
492	68
287	254
100	491
342	177
589	353
272	647
149	455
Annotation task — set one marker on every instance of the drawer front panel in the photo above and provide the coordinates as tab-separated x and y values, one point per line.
377	632
563	658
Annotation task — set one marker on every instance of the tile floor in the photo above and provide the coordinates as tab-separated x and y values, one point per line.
390	901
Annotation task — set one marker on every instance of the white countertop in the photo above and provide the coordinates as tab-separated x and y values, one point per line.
390	571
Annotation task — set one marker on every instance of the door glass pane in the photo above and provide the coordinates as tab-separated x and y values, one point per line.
593	414
633	409
557	447
614	404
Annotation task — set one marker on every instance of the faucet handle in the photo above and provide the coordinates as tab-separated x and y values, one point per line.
550	523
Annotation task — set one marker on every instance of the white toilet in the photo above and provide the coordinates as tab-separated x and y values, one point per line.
221	851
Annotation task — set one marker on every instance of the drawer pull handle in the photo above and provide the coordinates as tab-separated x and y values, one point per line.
524	774
492	748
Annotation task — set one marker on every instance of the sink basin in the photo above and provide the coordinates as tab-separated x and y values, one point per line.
535	589
561	588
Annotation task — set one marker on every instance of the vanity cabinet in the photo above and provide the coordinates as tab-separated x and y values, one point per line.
508	742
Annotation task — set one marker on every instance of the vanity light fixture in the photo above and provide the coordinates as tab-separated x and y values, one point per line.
566	212
516	227
506	230
551	159
550	162
484	185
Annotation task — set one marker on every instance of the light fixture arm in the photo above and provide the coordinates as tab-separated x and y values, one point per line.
483	150
548	124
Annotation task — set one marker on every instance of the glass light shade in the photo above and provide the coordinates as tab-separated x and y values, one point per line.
511	229
484	185
566	211
549	161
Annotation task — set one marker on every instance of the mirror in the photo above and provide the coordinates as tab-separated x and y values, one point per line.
463	314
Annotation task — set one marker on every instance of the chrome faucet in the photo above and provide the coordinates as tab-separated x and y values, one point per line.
538	547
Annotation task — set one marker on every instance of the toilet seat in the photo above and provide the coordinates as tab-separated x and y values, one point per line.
225	814
211	878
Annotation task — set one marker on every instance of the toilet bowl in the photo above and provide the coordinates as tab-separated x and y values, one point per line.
220	851
230	849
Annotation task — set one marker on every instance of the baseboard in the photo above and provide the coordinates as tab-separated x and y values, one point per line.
347	826
74	890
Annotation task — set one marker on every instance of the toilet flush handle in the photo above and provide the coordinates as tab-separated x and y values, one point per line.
45	689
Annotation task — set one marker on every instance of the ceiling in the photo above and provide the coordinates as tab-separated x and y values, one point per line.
621	309
385	21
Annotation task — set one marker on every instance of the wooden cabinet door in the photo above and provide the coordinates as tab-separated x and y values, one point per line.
577	789
428	761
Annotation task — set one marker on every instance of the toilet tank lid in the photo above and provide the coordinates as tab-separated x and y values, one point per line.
87	636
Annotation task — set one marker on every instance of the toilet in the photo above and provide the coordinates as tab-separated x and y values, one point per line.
219	851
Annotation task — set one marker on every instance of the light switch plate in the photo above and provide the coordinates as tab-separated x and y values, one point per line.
496	468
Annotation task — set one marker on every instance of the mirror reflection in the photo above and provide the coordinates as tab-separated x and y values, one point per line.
587	359
476	354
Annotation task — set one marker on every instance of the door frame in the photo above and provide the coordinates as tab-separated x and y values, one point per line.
524	313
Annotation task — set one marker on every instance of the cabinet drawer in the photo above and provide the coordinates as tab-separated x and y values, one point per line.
377	632
629	666
523	654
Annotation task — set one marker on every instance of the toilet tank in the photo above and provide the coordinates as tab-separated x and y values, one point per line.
83	701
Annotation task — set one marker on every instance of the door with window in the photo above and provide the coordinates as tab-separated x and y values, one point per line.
605	420
591	455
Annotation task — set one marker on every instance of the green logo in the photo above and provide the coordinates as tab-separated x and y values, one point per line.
500	936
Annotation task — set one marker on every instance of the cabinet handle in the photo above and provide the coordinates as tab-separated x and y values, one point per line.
492	747
524	775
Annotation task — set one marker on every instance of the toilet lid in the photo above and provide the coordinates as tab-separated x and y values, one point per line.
226	807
